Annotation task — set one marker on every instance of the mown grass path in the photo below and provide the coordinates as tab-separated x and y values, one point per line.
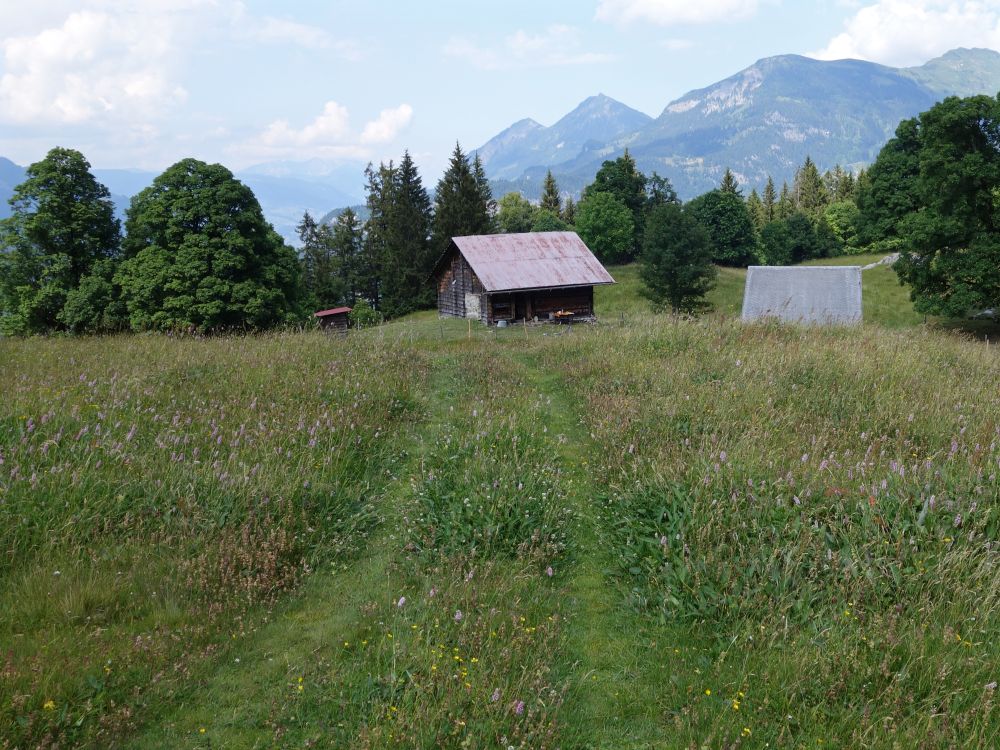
614	663
610	663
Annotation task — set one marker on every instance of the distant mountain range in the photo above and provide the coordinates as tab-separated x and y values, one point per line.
762	121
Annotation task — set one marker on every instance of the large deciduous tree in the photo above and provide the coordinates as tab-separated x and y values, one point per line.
676	268
730	228
201	256
951	243
57	249
515	214
623	180
888	192
605	225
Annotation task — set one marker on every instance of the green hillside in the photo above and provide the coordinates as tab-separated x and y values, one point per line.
883	300
644	533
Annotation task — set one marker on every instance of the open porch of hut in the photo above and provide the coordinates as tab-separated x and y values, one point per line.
514	277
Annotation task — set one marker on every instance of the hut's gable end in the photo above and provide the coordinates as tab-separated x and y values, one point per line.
803	294
459	289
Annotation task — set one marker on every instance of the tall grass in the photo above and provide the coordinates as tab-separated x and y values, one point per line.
824	505
648	532
155	492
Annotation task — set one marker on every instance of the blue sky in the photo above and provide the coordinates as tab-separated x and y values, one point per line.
142	83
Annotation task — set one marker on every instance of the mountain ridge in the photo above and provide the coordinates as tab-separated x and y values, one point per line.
765	119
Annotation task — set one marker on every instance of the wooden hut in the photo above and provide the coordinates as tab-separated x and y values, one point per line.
334	319
534	275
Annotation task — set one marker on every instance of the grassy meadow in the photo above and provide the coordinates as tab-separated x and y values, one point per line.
645	533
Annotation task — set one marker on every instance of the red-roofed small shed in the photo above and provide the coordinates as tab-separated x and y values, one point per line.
335	318
543	275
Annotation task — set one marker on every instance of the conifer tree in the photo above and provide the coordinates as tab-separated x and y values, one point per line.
569	211
769	201
489	205
347	243
756	208
786	203
550	194
810	193
321	284
846	188
398	257
461	202
676	268
378	200
729	184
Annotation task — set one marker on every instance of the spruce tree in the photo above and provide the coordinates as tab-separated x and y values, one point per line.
756	208
489	205
347	243
676	267
394	270
407	283
378	201
769	201
461	203
810	193
729	184
786	203
321	283
550	194
569	211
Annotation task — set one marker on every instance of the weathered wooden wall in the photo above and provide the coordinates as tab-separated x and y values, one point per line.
457	287
334	322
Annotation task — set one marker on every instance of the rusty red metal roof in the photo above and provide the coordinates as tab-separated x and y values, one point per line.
331	311
532	260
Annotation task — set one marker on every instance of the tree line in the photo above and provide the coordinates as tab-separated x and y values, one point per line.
195	252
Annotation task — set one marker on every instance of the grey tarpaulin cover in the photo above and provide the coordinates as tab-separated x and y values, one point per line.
803	294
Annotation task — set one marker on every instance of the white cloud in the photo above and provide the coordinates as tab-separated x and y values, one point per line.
120	63
557	45
674	12
92	66
909	32
331	127
329	136
675	44
279	30
271	30
388	124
